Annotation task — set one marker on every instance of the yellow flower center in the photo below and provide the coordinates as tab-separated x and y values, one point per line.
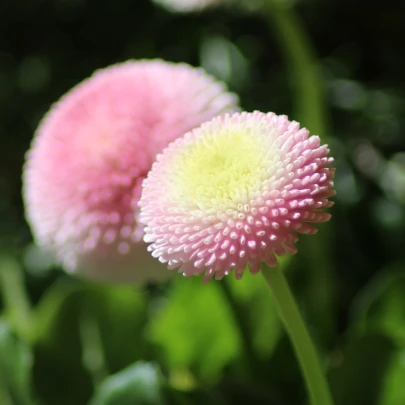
222	168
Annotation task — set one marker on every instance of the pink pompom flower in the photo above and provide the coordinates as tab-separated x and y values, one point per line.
234	193
190	5
83	175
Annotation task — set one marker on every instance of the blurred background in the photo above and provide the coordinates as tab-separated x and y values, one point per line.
337	67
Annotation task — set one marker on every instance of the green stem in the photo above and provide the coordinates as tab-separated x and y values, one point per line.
310	107
15	298
300	338
93	358
303	66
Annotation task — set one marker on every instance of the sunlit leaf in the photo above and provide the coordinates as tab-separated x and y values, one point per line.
393	388
259	309
139	384
195	329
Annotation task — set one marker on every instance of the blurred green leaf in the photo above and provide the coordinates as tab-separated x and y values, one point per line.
14	294
363	363
224	60
380	306
84	332
15	369
59	374
259	309
393	389
139	384
195	329
121	314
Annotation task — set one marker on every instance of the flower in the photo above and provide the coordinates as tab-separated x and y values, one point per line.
91	152
234	193
190	5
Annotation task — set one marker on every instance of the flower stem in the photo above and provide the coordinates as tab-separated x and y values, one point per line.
303	66
295	326
311	109
15	297
93	358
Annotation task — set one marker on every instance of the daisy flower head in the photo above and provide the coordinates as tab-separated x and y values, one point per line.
234	193
190	5
83	174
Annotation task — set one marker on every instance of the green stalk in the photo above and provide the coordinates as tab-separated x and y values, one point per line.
304	348
310	106
93	358
15	297
302	64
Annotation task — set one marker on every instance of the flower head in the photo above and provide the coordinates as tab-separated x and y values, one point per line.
190	5
234	193
91	152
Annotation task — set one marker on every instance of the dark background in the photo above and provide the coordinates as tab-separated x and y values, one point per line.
46	47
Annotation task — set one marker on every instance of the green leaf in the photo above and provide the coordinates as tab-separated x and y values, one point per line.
259	308
380	307
195	328
373	367
83	333
14	295
393	389
59	373
121	315
360	375
139	384
15	369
